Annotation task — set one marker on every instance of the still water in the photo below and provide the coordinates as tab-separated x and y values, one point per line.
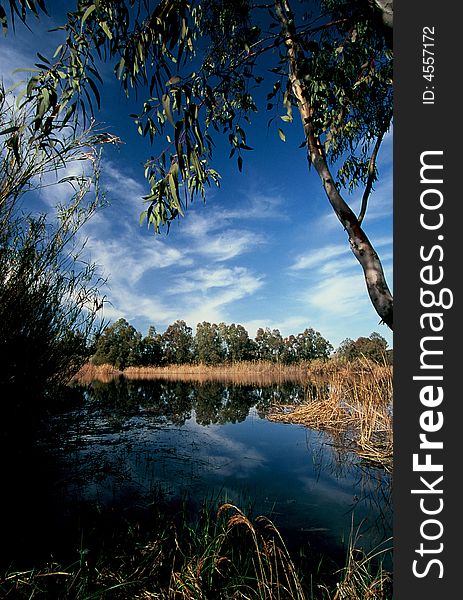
122	442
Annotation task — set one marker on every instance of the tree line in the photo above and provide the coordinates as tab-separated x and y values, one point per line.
121	345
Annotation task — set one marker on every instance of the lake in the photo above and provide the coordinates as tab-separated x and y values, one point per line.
120	444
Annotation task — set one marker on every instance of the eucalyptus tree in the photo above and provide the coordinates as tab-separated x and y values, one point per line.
238	346
119	345
150	349
373	347
207	66
177	343
269	344
208	344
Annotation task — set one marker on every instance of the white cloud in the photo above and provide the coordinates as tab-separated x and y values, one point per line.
314	258
228	244
129	258
209	293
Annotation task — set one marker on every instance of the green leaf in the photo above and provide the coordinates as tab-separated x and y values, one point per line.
105	28
166	106
87	13
240	163
33	81
42	57
282	135
95	91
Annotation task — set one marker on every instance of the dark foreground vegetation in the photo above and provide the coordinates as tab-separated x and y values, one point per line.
223	553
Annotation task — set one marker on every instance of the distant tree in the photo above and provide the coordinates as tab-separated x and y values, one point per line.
238	346
312	345
290	350
208	347
177	343
373	347
202	66
119	345
151	348
269	344
305	346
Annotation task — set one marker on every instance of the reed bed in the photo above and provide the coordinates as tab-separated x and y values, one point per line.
244	373
354	404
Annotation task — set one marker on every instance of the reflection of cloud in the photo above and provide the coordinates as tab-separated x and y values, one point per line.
327	490
228	456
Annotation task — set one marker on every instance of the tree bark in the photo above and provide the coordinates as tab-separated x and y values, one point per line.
361	246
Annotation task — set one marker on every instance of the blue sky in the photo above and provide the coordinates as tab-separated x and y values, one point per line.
265	250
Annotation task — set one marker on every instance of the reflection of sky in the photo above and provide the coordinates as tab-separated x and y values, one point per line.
287	472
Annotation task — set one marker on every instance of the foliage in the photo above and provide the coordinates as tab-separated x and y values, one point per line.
118	345
206	67
269	344
177	343
208	344
223	553
238	346
150	348
122	346
373	347
49	297
308	345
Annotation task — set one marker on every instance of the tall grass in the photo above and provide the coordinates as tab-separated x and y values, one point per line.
245	372
226	556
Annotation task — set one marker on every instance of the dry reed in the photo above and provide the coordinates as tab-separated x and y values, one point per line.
251	373
352	402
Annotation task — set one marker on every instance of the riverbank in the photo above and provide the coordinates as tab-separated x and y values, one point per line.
351	400
258	373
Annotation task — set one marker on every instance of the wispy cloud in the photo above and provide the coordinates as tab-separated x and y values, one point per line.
228	244
316	258
127	259
208	294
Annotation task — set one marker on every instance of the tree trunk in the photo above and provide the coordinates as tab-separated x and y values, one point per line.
360	245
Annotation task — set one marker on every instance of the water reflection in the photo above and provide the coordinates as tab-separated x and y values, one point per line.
126	440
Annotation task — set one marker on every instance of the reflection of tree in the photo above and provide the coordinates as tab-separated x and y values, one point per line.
216	402
238	401
122	398
172	401
284	393
208	400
